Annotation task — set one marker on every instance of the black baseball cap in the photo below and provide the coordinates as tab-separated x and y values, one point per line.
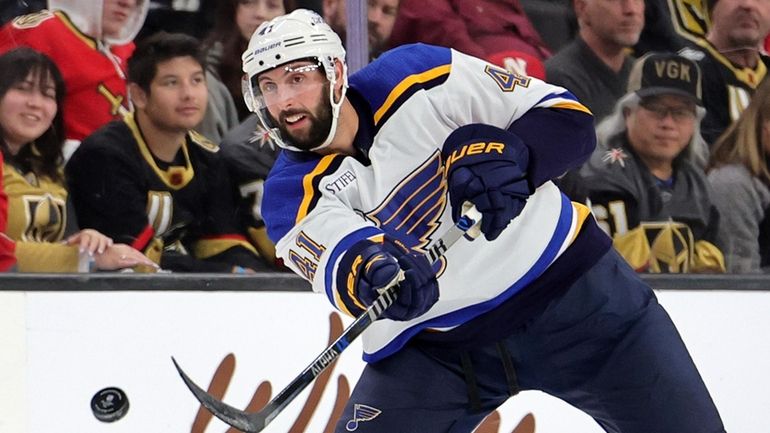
665	74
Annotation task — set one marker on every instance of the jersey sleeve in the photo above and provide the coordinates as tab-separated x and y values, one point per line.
47	257
314	224
460	90
552	123
249	157
221	239
612	194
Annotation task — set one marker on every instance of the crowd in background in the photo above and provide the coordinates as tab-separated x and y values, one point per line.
126	142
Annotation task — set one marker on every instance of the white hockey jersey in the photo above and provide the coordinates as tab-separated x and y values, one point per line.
408	102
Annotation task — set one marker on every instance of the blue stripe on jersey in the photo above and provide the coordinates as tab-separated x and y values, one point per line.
340	249
457	317
564	95
394	76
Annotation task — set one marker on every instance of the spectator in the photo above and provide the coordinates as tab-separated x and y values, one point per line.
671	25
151	181
334	13
193	17
730	60
477	27
740	176
31	90
221	113
89	42
644	187
235	21
596	64
249	154
381	16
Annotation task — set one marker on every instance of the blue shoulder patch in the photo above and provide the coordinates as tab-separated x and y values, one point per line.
388	81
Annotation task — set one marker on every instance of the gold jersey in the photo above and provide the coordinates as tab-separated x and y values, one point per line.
37	219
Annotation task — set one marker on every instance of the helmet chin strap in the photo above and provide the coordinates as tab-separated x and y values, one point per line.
336	106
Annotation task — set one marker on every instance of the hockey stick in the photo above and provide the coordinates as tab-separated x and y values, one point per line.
468	226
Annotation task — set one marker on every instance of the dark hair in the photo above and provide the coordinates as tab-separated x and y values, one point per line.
43	156
158	48
226	32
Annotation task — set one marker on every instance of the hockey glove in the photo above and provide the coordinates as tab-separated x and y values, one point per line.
487	166
381	263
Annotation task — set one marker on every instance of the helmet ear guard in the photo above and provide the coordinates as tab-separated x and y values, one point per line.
299	35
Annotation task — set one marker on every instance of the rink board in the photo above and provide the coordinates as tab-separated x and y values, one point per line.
58	349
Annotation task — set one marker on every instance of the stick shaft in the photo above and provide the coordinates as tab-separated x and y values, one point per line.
255	422
434	252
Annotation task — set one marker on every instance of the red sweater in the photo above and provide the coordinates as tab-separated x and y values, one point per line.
480	28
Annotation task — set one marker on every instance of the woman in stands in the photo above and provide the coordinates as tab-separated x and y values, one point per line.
31	139
739	172
235	22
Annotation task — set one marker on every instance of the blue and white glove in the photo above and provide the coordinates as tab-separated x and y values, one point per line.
381	263
487	166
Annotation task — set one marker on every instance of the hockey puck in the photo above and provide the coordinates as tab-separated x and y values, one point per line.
109	404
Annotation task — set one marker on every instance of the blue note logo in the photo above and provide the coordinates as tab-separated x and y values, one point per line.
361	413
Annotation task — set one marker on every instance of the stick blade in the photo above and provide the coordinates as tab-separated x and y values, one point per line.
245	422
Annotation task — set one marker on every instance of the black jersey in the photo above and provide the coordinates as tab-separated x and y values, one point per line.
181	211
727	88
249	155
657	226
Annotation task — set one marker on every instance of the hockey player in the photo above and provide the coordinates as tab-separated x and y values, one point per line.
90	42
372	173
150	181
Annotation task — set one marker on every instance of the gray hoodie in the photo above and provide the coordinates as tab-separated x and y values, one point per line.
87	16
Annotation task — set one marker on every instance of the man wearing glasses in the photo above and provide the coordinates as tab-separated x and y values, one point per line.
645	181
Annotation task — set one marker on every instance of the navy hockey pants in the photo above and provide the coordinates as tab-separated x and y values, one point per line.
605	346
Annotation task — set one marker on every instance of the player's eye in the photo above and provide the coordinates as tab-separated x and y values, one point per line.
268	87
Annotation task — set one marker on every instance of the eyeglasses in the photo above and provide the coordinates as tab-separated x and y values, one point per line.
660	111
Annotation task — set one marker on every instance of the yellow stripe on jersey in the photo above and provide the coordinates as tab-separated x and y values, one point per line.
572	105
750	76
175	177
582	212
91	42
405	84
307	186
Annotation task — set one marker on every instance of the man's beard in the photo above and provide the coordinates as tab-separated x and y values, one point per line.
320	125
